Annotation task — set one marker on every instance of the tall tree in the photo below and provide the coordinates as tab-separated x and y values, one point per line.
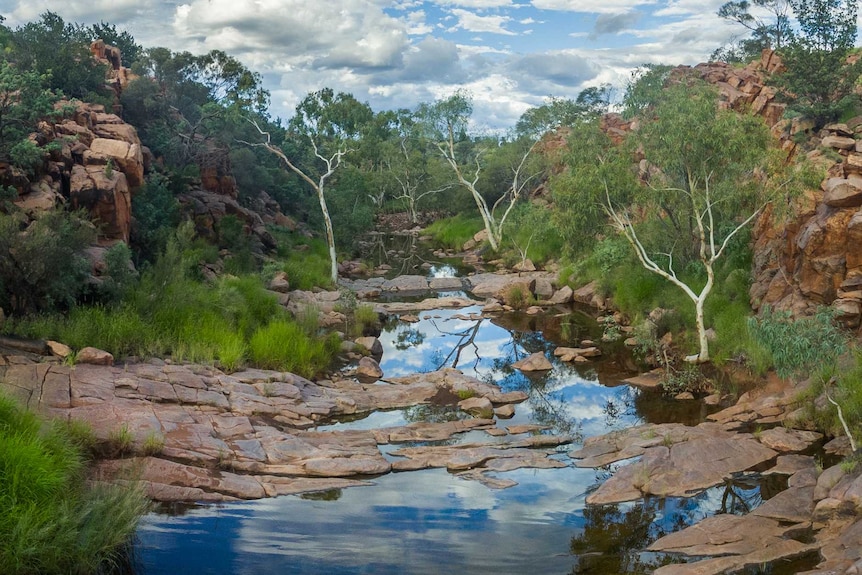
330	124
819	80
705	163
447	122
773	33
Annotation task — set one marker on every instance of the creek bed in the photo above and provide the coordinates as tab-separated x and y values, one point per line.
431	521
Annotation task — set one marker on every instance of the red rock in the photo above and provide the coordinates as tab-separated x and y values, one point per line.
94	356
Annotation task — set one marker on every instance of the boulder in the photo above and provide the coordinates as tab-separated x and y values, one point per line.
843	192
280	283
372	344
839	142
478	406
368	368
127	157
563	295
526	265
105	195
58	349
535	362
94	356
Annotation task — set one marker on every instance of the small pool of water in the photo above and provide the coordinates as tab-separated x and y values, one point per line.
435	522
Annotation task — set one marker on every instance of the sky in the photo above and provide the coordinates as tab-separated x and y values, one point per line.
510	55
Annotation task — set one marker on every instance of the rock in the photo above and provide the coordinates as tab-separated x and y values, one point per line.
839	142
492	306
535	362
843	192
650	380
589	295
713	399
682	469
562	296
368	368
106	196
478	406
684	396
526	265
788	440
59	349
280	283
409	318
94	356
631	342
505	411
372	344
544	288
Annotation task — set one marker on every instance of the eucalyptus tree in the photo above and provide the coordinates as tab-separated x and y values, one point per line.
446	123
820	78
410	167
707	166
772	32
330	125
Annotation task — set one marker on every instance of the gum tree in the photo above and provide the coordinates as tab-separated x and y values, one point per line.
705	172
330	125
446	122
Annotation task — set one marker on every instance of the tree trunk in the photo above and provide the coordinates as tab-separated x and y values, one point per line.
330	236
703	356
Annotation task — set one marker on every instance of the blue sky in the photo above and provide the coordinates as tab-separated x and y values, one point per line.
510	54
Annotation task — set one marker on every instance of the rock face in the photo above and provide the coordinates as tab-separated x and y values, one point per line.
246	435
98	166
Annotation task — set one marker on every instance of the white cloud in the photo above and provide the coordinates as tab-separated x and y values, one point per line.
472	22
592	6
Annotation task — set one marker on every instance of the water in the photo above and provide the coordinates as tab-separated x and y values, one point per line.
432	521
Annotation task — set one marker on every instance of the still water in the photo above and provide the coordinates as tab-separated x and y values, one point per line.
433	522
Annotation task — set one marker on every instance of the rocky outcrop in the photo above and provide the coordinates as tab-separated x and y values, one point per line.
97	165
199	434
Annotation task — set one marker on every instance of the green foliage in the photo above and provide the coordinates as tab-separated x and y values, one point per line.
644	89
52	522
23	100
454	232
59	52
818	80
798	346
687	379
41	266
306	263
283	345
156	213
597	170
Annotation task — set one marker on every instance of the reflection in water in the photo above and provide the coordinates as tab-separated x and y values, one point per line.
431	521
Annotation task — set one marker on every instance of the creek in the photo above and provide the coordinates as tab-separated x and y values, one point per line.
431	521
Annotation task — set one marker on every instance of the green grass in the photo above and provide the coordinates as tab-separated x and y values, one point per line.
52	521
172	311
284	345
306	262
454	232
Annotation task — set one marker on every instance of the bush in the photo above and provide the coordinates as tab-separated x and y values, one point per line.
41	266
52	522
798	346
283	345
454	232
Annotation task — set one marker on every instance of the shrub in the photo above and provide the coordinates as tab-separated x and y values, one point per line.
454	232
52	521
283	345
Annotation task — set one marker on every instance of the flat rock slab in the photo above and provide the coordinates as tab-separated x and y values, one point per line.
534	362
683	469
451	302
488	285
245	435
530	452
649	380
789	440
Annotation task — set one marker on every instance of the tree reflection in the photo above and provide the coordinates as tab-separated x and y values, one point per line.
613	538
